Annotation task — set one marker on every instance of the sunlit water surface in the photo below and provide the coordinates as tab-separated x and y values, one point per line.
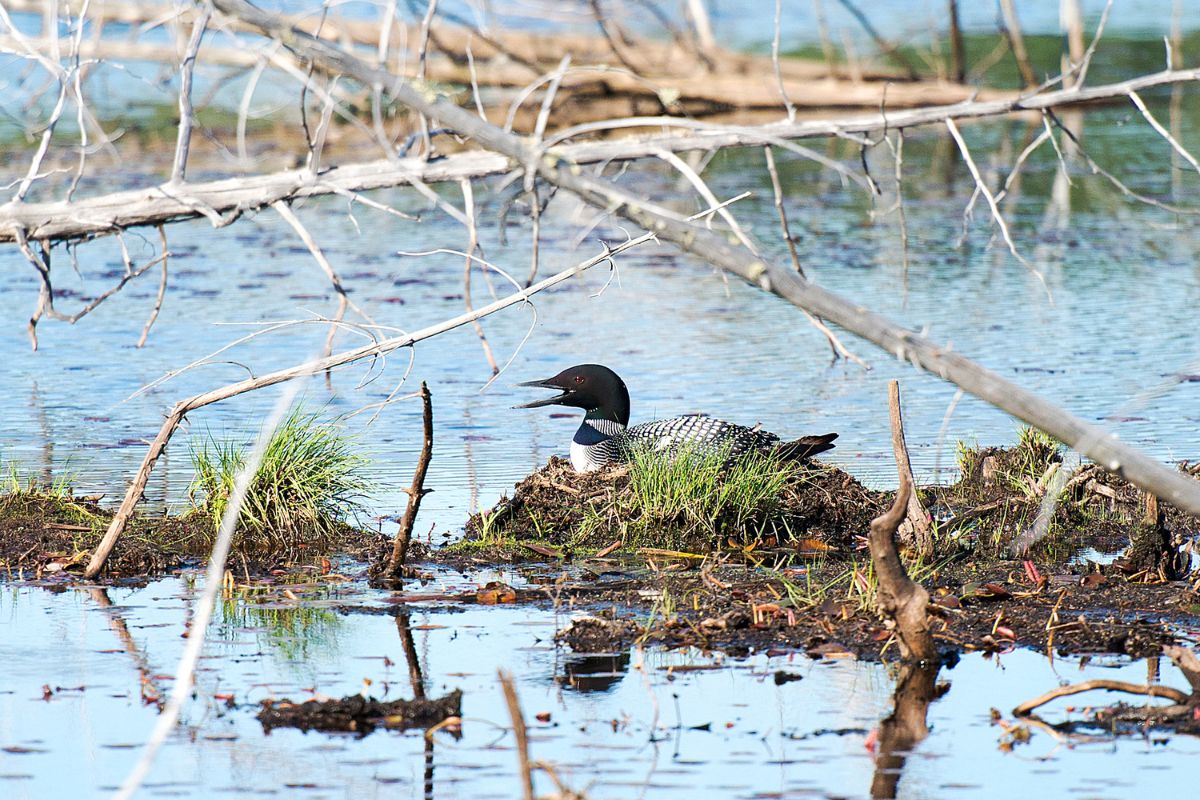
621	725
1110	336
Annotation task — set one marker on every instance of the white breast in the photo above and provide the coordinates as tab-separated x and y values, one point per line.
582	458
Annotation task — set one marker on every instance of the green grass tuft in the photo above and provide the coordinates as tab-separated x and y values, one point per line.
701	494
310	482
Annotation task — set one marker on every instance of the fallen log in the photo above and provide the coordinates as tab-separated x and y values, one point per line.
1091	440
222	202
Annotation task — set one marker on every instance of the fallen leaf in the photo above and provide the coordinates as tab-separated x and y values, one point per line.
608	550
496	593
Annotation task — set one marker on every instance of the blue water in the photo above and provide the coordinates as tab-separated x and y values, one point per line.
637	729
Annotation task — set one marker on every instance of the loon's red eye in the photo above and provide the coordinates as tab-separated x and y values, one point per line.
578	379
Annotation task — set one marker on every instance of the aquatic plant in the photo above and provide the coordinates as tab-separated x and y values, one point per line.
311	480
700	493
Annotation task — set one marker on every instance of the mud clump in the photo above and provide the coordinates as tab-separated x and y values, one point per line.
561	507
358	714
44	534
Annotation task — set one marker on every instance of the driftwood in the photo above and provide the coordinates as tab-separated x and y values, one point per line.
222	202
916	527
1091	440
133	494
665	73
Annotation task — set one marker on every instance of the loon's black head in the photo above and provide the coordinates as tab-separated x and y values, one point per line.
594	388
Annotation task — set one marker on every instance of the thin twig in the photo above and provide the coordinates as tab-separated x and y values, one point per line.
1180	149
519	732
991	201
183	140
787	101
783	222
1107	685
472	245
162	288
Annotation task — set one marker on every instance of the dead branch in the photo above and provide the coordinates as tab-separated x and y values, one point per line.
1188	664
916	526
224	201
1016	40
1091	440
375	349
395	564
885	47
162	288
982	186
1168	692
186	68
900	598
472	246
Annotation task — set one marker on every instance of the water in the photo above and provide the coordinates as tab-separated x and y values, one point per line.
1109	343
1113	341
637	730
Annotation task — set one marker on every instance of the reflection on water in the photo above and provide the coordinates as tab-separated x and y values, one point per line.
651	723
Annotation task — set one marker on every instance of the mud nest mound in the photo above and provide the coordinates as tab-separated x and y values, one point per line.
993	509
45	534
358	714
561	507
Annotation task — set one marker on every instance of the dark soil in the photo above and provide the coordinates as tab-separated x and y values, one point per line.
737	610
358	714
44	534
749	594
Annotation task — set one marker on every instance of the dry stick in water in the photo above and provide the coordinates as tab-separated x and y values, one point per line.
134	494
903	600
1095	442
162	288
918	517
1016	40
519	732
416	491
1168	692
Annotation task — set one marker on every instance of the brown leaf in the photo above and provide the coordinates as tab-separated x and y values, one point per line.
496	593
609	550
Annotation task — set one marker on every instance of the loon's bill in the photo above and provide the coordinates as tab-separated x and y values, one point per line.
604	437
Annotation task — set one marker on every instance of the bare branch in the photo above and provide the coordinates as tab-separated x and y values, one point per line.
186	68
1163	132
991	201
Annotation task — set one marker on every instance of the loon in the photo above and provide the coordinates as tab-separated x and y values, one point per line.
604	437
